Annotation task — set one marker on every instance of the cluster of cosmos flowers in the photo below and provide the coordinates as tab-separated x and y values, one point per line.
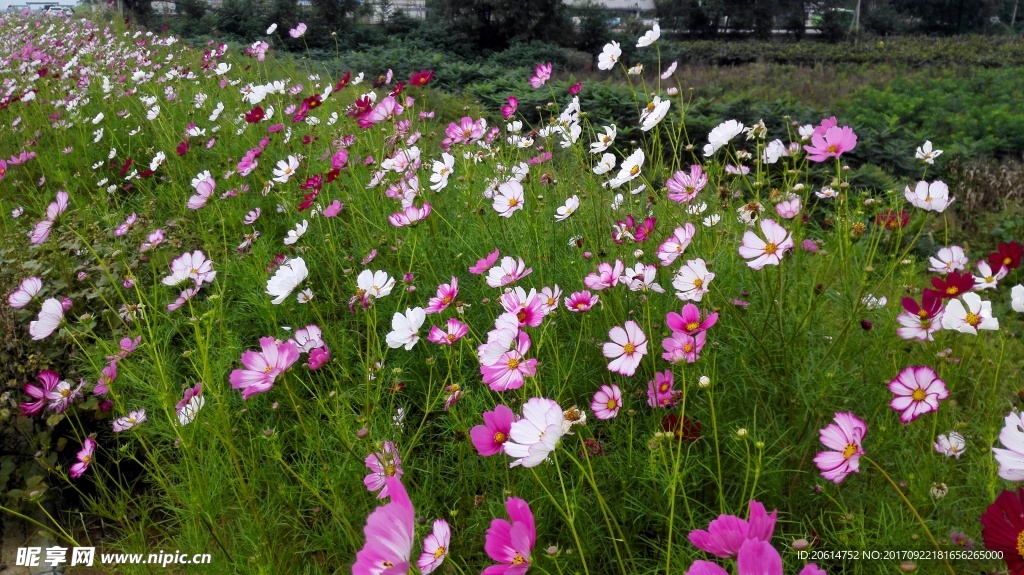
412	179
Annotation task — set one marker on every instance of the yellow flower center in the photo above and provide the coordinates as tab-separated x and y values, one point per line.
439	552
500	437
86	459
988	279
518	560
513	202
1020	543
918	394
581	306
389	469
451	337
692	326
952	290
833	149
922	314
973	319
688	348
634	170
849	450
521	315
612	404
629	348
513	363
446	300
1007	261
268	369
770	248
697	282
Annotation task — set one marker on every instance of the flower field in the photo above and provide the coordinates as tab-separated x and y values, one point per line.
317	320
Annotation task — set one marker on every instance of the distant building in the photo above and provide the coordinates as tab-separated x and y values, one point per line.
623	7
164	8
383	10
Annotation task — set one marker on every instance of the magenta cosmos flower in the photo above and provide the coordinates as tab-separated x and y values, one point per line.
831	144
920	321
48	381
607	401
843	437
541	75
726	535
456	329
918	390
511	543
660	390
627	347
511	369
262	368
446	294
435	547
384	464
755	557
768	251
489	439
689	321
580	301
85	457
389	535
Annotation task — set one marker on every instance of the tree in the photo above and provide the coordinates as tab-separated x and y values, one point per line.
494	24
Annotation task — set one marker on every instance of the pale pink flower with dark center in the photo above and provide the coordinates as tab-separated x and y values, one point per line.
789	208
769	251
262	368
204	185
409	215
509	198
949	259
435	547
918	390
607	276
129	421
627	348
549	298
606	402
676	244
63	395
509	271
951	445
190	267
692	281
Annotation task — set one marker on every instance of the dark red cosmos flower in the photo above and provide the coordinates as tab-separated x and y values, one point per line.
313	101
254	115
954	285
1002	529
182	148
398	88
931	304
684	429
343	81
125	166
360	107
892	220
421	78
575	88
278	260
313	183
1008	255
308	200
300	115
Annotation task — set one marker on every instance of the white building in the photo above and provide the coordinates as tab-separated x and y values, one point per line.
632	7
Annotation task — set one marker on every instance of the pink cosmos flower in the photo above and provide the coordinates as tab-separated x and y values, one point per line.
760	253
389	535
676	244
308	338
726	535
63	395
42	230
190	404
298	31
190	267
48	381
541	75
527	307
125	226
26	292
387	109
204	185
549	298
580	301
920	321
509	271
683	347
507	111
627	348
843	437
689	321
917	390
456	330
186	294
262	368
607	276
831	144
485	264
510	544
384	464
318	357
446	294
409	215
129	421
85	457
606	402
692	281
789	208
334	209
511	369
107	377
755	557
683	187
660	390
435	547
533	437
489	439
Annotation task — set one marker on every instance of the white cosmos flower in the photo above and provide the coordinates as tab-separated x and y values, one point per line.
721	136
509	198
534	436
926	154
606	164
571	205
288	277
711	220
442	169
608	57
668	73
929	197
153	113
977	314
405	328
158	159
605	140
50	318
26	292
294	235
629	169
654	113
649	37
285	169
222	68
1011	459
1017	298
272	29
696	209
374	285
304	296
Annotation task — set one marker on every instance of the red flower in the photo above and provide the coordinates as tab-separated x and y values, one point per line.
398	88
685	429
1008	255
254	115
892	220
1002	529
575	88
421	78
954	285
313	101
343	81
182	148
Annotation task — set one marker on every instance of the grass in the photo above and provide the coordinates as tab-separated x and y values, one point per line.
273	484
